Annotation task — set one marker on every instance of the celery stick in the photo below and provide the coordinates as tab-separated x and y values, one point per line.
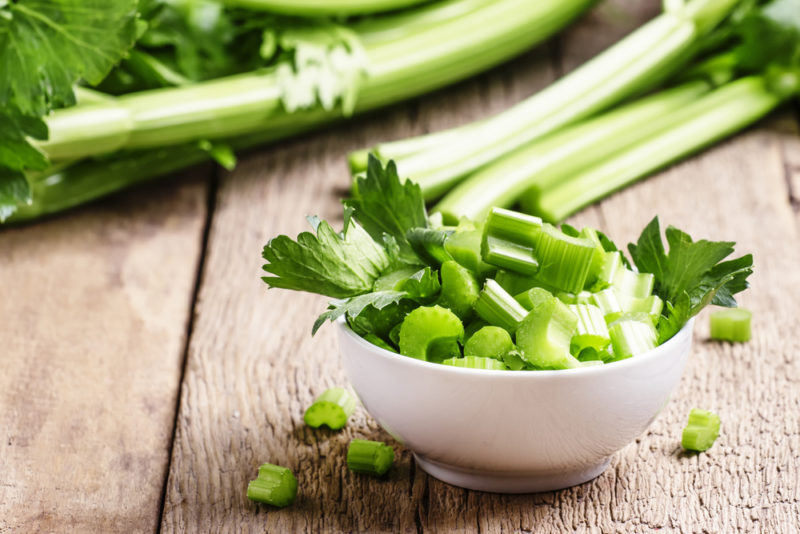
332	409
633	284
369	457
489	342
701	430
543	163
631	337
498	308
592	331
709	119
565	261
275	485
431	333
731	324
460	289
545	333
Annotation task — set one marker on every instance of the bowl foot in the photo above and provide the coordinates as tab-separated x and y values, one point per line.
495	482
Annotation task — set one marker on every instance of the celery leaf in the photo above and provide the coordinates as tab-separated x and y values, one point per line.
48	45
384	204
328	263
355	306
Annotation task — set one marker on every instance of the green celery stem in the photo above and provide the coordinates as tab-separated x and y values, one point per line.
543	163
318	8
398	69
634	64
713	117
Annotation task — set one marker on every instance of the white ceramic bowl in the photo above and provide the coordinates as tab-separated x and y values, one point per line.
513	431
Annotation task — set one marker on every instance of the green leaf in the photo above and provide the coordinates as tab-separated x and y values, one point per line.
48	45
354	306
384	204
328	263
691	275
14	190
422	286
770	34
16	153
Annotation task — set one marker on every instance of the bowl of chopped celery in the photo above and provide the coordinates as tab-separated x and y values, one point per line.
509	354
513	431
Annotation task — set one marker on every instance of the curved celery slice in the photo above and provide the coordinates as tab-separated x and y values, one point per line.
431	333
545	333
460	289
498	308
592	330
638	285
513	226
631	336
514	361
489	342
369	457
275	485
476	362
465	247
564	260
535	295
701	431
608	301
473	327
731	325
612	263
332	409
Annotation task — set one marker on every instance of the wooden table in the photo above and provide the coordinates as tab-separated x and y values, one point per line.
147	371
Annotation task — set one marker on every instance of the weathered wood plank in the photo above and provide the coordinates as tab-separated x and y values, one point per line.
94	313
252	365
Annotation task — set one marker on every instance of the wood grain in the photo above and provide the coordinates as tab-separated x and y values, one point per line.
94	312
253	368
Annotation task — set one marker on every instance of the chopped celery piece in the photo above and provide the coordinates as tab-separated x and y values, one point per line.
530	298
476	362
509	255
275	485
378	342
608	301
431	333
545	333
731	324
508	240
701	431
473	327
514	361
489	342
369	457
564	260
584	297
639	285
612	263
598	257
652	306
464	246
631	336
498	308
460	289
332	409
567	298
514	283
513	226
592	330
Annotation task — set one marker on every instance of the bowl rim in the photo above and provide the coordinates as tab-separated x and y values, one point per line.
660	350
